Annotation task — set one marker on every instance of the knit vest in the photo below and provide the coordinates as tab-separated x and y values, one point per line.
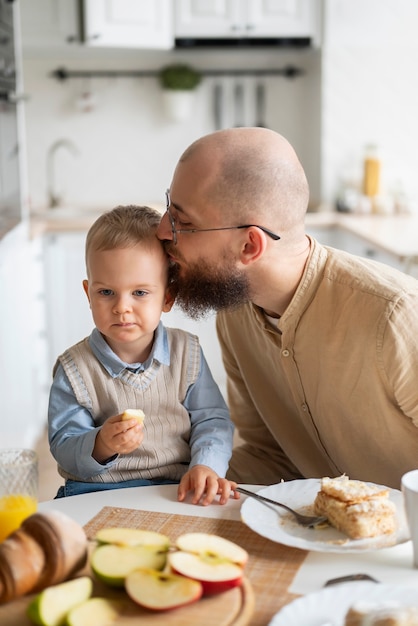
159	391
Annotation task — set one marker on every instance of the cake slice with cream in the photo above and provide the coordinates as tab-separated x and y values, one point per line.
356	508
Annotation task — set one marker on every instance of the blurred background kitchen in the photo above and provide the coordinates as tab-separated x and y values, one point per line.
86	127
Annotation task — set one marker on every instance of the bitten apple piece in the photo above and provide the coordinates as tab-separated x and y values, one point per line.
112	563
160	591
97	611
50	607
132	537
137	414
212	560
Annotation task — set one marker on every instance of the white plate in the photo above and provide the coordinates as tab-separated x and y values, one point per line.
279	525
332	603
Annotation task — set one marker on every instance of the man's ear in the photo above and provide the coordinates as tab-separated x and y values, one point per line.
86	288
169	299
254	245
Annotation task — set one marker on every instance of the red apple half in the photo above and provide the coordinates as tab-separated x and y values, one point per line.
212	560
160	591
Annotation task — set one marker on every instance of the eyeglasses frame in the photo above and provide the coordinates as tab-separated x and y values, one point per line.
184	231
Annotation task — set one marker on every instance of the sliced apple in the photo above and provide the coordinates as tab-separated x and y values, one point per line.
97	611
136	414
160	591
50	607
212	560
133	537
112	564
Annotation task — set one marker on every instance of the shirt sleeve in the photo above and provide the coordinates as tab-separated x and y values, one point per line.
211	427
72	431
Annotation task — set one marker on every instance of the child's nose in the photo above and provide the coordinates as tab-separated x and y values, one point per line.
122	305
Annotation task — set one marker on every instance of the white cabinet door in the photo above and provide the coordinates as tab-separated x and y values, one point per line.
22	346
129	23
68	312
49	23
245	18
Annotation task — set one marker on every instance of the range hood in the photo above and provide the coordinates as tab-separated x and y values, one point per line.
185	43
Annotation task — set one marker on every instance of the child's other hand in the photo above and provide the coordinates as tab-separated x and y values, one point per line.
206	485
117	437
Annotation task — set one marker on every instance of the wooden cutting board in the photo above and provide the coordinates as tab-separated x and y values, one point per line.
269	572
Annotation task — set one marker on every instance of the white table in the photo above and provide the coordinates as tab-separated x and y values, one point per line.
161	498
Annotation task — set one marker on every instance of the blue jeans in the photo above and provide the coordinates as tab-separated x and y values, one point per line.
75	487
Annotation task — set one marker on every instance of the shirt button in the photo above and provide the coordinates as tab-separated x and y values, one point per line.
285	352
304	407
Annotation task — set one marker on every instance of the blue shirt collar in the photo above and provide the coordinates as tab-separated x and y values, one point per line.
115	366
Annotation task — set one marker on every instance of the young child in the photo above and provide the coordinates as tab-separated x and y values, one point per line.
131	360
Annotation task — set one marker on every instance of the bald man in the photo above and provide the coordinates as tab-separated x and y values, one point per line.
320	347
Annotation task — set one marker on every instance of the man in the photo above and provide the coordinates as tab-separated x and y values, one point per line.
320	347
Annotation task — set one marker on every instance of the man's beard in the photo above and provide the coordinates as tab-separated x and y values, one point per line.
203	289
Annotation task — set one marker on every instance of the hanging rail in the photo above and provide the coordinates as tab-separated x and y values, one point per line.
63	74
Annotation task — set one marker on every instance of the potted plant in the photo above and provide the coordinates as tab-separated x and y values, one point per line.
178	82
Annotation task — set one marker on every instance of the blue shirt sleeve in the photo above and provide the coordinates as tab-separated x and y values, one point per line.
72	431
212	429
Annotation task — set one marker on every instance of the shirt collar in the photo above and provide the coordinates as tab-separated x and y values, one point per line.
115	366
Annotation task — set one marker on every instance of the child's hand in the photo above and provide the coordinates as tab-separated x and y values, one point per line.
117	437
206	484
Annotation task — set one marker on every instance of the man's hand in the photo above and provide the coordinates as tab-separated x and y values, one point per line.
206	485
117	437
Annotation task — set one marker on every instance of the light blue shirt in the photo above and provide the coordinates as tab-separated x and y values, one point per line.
72	430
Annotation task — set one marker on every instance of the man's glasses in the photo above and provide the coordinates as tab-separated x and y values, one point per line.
175	230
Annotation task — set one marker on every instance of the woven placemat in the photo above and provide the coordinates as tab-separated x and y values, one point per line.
271	566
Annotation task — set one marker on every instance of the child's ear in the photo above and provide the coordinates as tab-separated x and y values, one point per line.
86	288
169	299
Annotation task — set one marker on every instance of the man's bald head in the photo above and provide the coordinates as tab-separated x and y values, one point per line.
253	174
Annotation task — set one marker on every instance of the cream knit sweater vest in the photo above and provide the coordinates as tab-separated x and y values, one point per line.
159	392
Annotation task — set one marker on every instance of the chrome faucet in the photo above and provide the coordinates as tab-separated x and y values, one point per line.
54	199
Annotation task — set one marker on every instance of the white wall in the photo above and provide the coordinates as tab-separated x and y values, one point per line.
128	148
370	92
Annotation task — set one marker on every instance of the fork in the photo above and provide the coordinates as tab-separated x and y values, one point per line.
304	520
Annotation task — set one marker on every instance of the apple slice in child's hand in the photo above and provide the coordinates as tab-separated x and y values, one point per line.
132	537
50	607
137	414
212	560
111	564
95	612
160	591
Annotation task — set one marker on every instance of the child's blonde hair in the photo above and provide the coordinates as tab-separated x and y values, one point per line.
123	227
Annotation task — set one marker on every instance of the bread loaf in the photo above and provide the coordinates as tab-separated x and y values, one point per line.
48	548
356	508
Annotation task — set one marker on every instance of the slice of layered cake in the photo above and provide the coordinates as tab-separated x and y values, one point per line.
382	614
357	509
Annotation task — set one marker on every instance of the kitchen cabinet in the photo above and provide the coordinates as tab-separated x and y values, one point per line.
245	18
46	23
129	23
23	353
68	313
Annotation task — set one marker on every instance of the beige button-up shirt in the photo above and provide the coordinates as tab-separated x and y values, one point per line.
334	387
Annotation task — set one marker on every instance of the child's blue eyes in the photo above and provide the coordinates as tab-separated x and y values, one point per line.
109	292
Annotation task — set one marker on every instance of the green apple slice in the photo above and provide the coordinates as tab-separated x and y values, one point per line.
50	607
132	537
97	611
111	564
161	591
